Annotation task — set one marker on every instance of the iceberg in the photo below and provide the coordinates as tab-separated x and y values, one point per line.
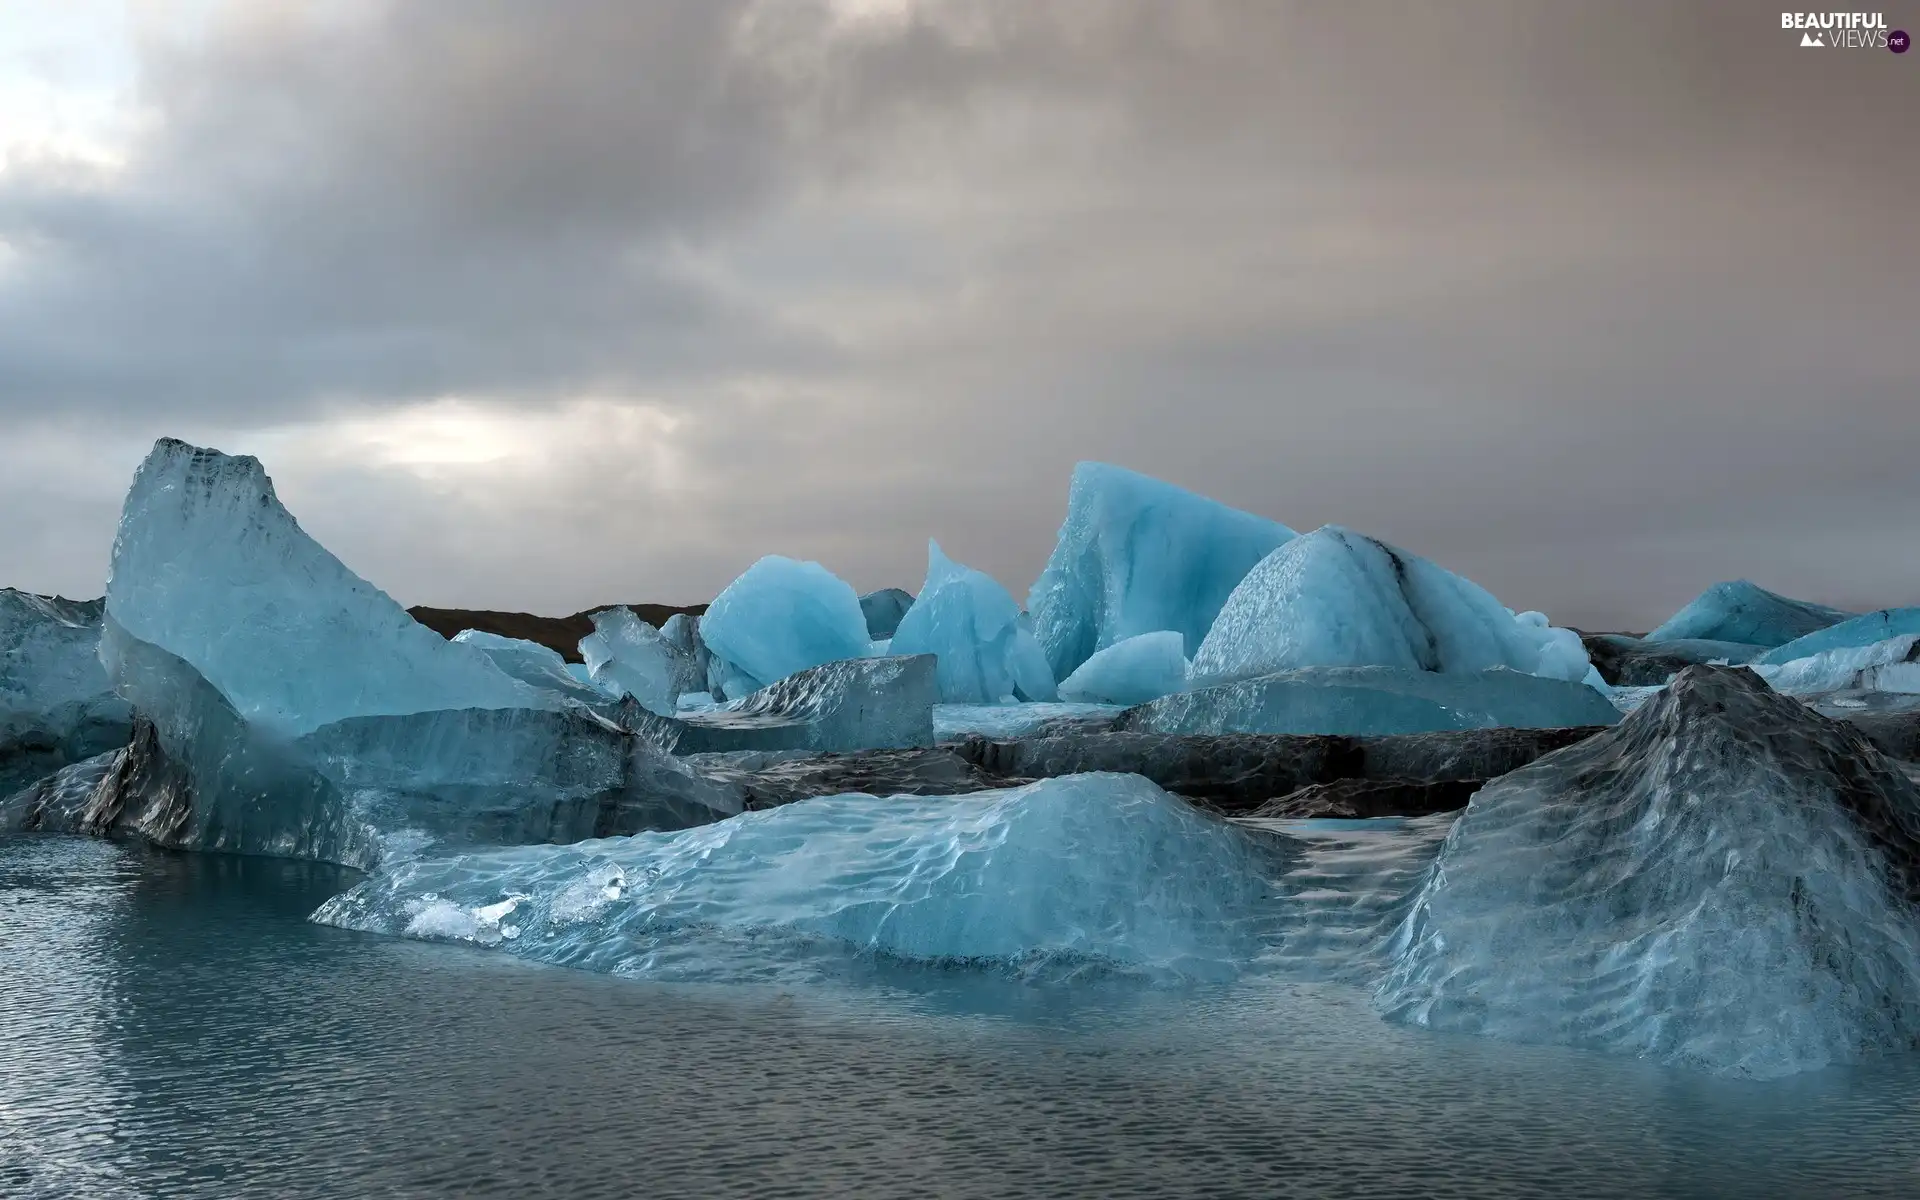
628	657
1863	630
1334	598
210	566
1136	555
290	708
883	610
780	617
1740	611
1141	668
531	663
1374	700
1726	880
56	703
1889	666
858	704
972	626
1103	872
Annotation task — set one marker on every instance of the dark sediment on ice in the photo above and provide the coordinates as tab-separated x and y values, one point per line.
561	634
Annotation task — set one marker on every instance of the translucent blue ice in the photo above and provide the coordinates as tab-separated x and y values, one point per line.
626	656
1723	881
209	566
1375	700
532	663
1740	611
972	626
1863	630
1888	666
1136	555
837	707
1334	598
1085	870
1141	668
779	617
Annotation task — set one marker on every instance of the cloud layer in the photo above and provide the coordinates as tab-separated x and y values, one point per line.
544	306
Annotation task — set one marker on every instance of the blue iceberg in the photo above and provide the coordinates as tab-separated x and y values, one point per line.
1100	871
533	663
1726	881
1141	668
779	617
883	610
1135	556
972	626
1740	611
1863	630
1334	598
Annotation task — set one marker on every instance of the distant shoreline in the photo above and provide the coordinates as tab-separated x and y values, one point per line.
561	634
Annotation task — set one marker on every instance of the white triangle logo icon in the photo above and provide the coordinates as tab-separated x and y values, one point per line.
1812	39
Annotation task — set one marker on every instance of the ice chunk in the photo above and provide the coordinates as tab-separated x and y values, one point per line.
971	624
1136	555
1726	880
56	704
627	656
1374	700
1863	630
1092	870
1889	666
883	610
1144	667
779	617
1740	611
1334	598
954	721
209	566
859	704
532	663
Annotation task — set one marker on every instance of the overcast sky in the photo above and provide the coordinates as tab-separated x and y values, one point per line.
542	306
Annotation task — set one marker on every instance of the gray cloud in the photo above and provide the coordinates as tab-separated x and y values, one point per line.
1596	304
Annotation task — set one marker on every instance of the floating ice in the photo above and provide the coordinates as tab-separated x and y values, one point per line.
1141	668
954	721
1136	555
858	704
1726	880
883	610
1740	611
209	566
627	656
1863	630
1338	599
1374	700
1889	666
1090	870
779	617
56	704
532	663
973	627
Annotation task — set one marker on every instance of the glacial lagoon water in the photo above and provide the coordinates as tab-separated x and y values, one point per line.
173	1025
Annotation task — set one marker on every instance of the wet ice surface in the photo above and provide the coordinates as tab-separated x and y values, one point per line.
172	1025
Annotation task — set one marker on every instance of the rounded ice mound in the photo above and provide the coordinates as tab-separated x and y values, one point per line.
1134	671
1334	598
1725	880
781	617
1742	611
1085	869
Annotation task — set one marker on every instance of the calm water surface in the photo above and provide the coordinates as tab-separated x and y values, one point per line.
173	1026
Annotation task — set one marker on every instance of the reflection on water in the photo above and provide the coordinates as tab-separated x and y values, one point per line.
173	1026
